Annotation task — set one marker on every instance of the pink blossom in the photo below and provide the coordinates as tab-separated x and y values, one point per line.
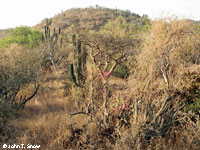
106	74
121	107
124	107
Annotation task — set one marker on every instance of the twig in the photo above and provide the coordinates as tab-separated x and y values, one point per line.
77	113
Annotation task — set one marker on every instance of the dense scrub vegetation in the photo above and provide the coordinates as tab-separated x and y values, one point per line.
125	82
90	18
22	36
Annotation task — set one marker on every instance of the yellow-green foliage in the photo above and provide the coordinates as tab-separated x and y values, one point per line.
118	28
143	25
197	28
23	36
194	107
192	94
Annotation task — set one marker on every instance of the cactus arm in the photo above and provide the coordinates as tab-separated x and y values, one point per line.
72	74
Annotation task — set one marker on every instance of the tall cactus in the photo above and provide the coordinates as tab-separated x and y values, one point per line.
78	67
51	39
52	43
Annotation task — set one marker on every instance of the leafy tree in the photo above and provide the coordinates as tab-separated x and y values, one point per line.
22	35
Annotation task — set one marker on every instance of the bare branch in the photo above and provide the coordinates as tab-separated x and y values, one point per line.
106	64
24	100
93	57
163	72
77	113
117	61
171	50
164	76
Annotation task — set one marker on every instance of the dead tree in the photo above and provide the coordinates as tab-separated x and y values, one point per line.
105	74
111	59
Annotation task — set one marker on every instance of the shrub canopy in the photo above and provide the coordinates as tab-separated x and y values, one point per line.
23	36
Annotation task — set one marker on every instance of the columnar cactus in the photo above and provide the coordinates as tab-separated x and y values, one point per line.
78	67
52	39
52	44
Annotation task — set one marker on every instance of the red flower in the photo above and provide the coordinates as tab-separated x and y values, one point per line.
106	74
122	107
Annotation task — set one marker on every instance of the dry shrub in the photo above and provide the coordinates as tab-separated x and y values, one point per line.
168	59
170	52
174	43
19	67
160	125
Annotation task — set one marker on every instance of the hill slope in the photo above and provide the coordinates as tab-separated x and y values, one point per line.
90	18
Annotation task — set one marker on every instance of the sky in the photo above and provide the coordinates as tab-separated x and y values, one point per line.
31	12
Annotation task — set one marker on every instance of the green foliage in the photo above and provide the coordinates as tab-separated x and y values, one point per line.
6	111
117	103
193	93
22	36
143	25
197	29
121	71
194	107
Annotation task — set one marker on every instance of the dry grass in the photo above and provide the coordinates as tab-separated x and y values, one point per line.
44	121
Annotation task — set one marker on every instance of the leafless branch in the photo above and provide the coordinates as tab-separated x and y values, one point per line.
117	60
77	113
24	100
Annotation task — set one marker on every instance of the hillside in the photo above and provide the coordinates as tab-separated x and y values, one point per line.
99	78
89	18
